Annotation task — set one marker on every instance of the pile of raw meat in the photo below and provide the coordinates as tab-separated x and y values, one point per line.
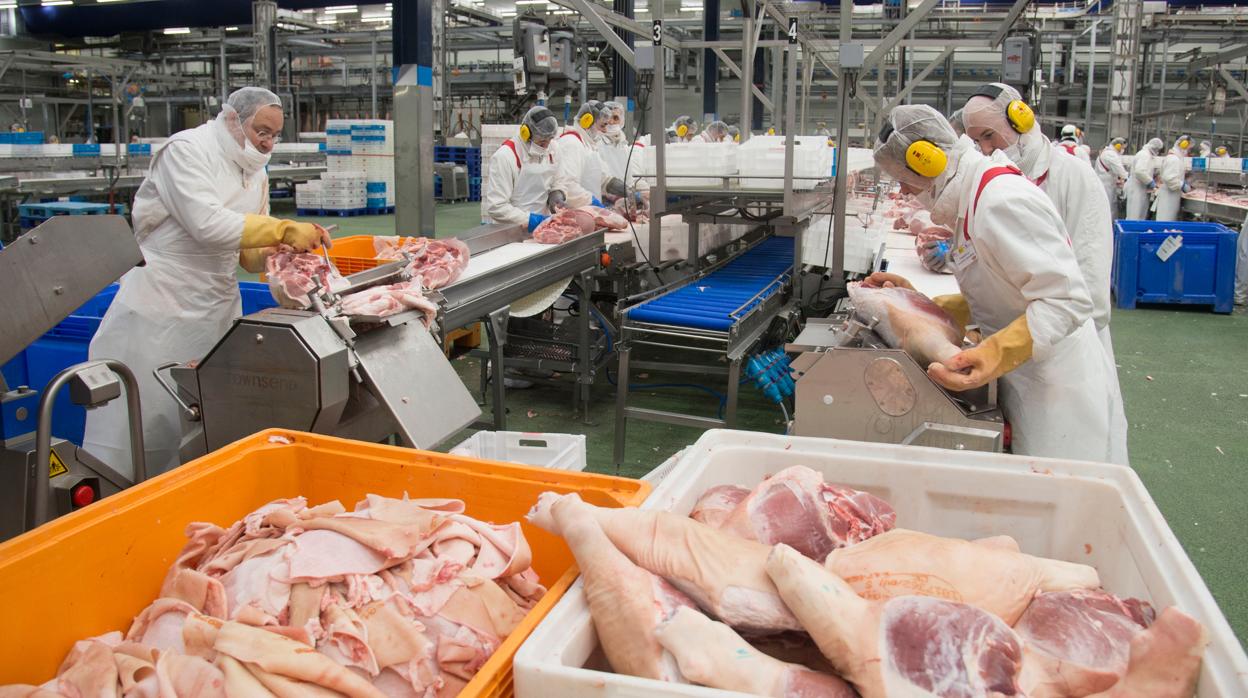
291	277
1217	197
384	301
438	262
801	588
572	223
397	598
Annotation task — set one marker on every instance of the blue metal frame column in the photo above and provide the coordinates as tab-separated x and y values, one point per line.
710	62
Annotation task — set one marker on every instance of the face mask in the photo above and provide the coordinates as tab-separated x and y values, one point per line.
537	152
615	129
927	198
251	159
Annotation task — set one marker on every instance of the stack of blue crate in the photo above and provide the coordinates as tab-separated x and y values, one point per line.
460	155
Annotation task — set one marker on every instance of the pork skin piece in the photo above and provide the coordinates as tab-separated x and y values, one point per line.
993	578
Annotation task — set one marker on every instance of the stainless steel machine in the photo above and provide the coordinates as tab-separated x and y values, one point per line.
370	378
47	274
358	377
851	385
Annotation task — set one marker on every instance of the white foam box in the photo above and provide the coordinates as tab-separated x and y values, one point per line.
861	244
761	159
554	451
1091	513
1226	164
710	160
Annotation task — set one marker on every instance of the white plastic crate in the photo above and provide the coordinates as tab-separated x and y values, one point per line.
762	157
861	244
1092	513
711	161
1226	164
554	451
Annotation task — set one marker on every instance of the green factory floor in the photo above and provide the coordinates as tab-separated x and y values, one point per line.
1184	382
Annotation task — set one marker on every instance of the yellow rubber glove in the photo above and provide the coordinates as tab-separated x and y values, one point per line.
994	357
267	231
956	306
883	279
253	258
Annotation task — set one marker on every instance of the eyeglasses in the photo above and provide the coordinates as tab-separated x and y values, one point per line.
264	135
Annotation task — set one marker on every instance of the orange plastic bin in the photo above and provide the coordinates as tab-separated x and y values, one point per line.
354	253
92	571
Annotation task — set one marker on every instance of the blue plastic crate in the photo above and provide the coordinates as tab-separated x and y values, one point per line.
68	342
86	149
139	148
61	208
1200	272
24	138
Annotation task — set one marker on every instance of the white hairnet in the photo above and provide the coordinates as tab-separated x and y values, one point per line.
541	122
990	112
1070	131
905	125
955	120
615	108
1118	140
1155	146
246	101
717	130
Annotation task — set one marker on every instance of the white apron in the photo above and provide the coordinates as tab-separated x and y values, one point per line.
1066	405
1168	203
175	308
533	185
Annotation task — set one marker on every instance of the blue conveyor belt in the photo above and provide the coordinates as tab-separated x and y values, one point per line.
706	303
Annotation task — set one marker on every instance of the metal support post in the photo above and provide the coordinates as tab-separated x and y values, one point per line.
658	138
496	330
225	71
849	79
1087	102
747	69
414	121
710	64
585	363
372	81
621	403
263	17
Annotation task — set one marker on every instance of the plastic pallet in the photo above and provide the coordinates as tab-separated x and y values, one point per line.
380	210
341	212
62	208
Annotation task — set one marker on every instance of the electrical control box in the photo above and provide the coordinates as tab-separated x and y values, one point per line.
1016	53
532	43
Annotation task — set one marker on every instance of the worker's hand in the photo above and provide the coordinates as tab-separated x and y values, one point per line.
535	219
303	237
615	187
883	279
1187	186
595	201
555	201
934	254
965	371
326	241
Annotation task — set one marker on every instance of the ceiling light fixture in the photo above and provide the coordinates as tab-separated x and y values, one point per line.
532	2
105	2
10	5
54	3
327	19
341	9
178	30
231	29
375	18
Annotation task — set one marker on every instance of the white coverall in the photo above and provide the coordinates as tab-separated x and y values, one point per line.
615	154
1142	168
1170	193
188	219
1241	266
579	170
1110	170
1076	194
1013	258
518	183
1076	150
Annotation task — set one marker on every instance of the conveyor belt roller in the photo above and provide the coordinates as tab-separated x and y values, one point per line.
717	301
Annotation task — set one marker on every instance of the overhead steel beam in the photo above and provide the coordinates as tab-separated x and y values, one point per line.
591	15
1006	24
1218	58
903	27
917	79
1235	84
736	70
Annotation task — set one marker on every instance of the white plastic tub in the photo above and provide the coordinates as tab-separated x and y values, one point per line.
554	451
1091	513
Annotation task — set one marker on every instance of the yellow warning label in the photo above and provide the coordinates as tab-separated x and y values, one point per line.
56	466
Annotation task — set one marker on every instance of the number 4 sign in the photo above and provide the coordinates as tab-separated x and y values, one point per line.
792	30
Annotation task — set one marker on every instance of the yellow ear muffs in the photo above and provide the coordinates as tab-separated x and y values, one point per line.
1118	147
1017	113
587	120
926	158
771	132
525	133
736	138
1220	151
682	130
1185	144
1022	119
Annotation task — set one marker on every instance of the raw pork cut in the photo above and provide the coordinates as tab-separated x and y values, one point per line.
1165	659
438	262
905	646
908	320
1078	642
724	574
291	277
712	654
607	218
382	301
796	507
717	503
995	579
625	601
566	225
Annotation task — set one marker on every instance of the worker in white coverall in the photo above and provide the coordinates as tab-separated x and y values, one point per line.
201	212
715	132
1241	266
1142	180
1111	171
1070	142
580	174
684	128
734	134
997	119
621	156
1221	152
1019	283
522	172
1205	150
1173	181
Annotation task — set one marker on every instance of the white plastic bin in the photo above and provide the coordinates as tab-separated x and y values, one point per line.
1090	513
554	451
